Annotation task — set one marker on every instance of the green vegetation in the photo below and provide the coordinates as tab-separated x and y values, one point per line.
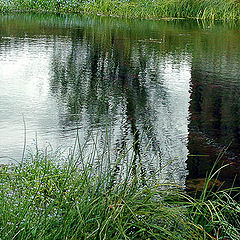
49	197
154	9
46	197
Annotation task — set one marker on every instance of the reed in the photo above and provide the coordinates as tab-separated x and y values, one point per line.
50	197
154	9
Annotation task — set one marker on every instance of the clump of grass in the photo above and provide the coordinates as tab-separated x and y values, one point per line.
155	9
45	198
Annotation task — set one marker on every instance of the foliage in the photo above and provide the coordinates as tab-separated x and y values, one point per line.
45	198
154	9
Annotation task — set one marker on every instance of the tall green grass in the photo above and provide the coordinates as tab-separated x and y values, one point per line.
153	9
50	197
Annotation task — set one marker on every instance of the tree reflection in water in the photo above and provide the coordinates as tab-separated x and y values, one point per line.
110	73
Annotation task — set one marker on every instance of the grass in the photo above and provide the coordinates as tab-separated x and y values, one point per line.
50	197
150	9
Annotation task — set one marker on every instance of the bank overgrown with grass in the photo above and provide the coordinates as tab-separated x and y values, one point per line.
151	9
45	197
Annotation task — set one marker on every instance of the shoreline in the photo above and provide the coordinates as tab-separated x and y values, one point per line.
41	199
224	10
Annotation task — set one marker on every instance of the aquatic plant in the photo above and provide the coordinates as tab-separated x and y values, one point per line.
50	197
155	9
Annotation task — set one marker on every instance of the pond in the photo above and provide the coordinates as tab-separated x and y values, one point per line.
171	86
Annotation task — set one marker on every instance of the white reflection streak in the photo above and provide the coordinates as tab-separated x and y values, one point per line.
172	117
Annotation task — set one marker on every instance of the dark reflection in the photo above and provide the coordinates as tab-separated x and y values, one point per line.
215	120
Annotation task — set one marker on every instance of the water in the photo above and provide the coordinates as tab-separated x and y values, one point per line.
174	85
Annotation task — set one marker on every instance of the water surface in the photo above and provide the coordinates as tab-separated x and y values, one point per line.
171	85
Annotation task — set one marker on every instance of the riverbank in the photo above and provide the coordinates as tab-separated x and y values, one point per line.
155	9
43	199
